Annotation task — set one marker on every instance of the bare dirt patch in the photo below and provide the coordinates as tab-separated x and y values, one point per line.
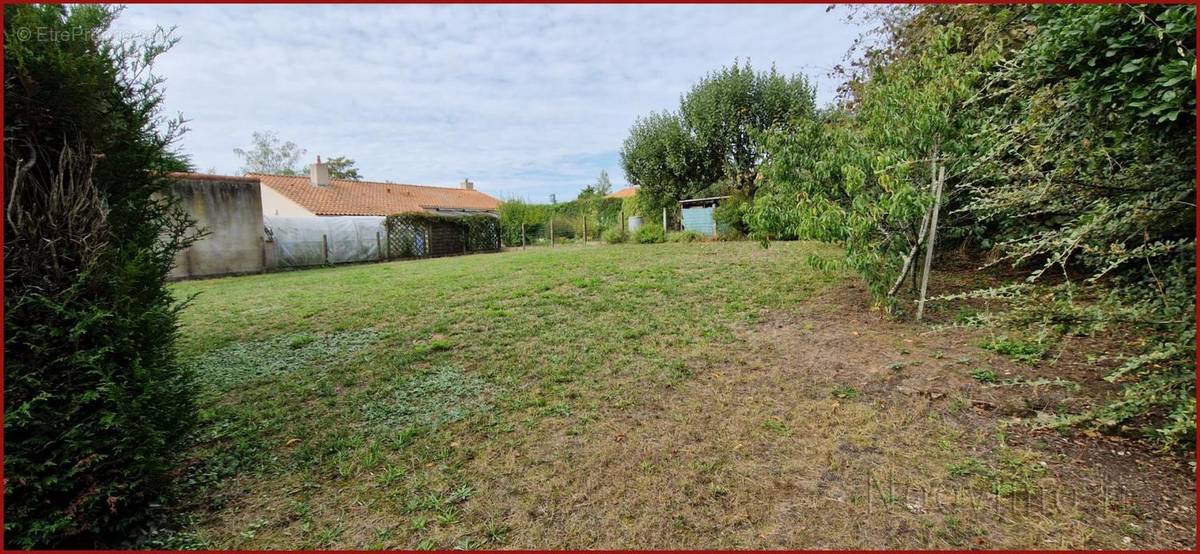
831	427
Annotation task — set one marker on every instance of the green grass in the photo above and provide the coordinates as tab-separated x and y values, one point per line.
377	385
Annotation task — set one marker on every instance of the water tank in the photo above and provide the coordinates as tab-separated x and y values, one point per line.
635	221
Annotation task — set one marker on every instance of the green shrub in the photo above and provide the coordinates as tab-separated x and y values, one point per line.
684	236
649	233
731	214
615	236
729	234
96	406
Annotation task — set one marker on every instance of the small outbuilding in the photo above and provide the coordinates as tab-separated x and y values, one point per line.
697	215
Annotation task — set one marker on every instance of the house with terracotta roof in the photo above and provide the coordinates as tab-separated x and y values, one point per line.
319	195
624	193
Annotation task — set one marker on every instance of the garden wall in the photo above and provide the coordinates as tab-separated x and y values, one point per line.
230	209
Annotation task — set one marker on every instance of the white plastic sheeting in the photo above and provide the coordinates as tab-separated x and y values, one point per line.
301	241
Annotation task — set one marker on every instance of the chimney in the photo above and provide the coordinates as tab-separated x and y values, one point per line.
467	184
318	173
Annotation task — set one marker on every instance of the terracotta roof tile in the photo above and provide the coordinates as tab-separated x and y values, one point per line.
343	197
623	193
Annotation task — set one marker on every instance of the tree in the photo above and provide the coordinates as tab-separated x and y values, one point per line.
714	143
731	107
341	167
603	186
96	407
1068	134
271	156
667	162
863	177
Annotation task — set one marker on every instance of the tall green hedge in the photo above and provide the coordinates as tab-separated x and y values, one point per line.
96	407
600	214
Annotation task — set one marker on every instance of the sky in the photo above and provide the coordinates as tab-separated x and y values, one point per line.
524	100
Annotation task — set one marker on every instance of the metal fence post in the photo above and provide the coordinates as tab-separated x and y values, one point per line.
325	247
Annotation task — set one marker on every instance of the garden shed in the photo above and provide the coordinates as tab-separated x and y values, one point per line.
697	214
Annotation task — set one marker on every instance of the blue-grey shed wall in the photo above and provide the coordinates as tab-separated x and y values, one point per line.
699	220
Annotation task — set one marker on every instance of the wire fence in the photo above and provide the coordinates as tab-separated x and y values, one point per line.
568	229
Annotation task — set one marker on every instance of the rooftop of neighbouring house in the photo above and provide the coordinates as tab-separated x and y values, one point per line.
344	197
624	193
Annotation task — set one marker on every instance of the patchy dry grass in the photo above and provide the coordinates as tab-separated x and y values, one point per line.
675	395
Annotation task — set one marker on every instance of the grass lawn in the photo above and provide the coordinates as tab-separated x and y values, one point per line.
675	395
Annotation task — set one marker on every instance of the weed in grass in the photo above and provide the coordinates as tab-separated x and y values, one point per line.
426	544
254	527
984	375
845	392
496	533
418	523
447	517
969	317
1015	472
468	543
423	502
301	340
708	466
346	468
437	397
382	537
391	474
1018	349
460	495
239	363
778	427
556	409
1039	382
372	457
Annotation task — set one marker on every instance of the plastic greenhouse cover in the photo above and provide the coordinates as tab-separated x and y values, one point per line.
300	241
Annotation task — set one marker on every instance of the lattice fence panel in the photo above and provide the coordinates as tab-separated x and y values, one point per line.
483	235
406	241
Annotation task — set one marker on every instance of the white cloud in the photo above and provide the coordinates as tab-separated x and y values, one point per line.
525	100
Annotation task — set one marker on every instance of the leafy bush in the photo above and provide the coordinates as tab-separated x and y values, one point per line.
599	213
515	213
1088	169
615	236
649	233
684	236
729	234
731	214
1068	136
96	406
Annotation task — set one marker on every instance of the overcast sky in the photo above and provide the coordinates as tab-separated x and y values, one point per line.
524	100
